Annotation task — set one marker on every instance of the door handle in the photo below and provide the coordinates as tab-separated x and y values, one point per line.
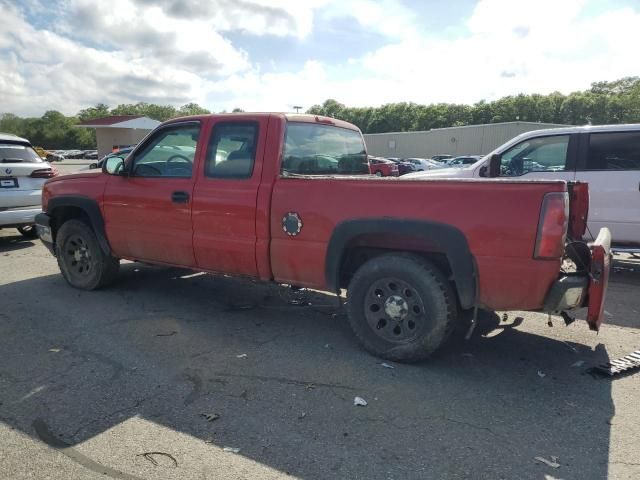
180	197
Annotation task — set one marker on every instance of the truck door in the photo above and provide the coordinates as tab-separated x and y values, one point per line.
225	195
148	212
546	157
610	163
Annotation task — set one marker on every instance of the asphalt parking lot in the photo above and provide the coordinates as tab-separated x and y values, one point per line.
157	375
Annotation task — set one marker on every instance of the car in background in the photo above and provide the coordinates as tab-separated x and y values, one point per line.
440	158
404	167
462	161
91	154
422	164
607	157
22	175
55	156
381	167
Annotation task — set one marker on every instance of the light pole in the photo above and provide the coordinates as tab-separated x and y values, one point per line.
297	108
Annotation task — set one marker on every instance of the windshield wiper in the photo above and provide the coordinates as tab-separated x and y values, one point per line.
11	160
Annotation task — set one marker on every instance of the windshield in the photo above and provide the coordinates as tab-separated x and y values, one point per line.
16	153
312	149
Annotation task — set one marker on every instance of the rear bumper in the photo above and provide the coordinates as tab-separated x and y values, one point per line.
19	216
587	288
43	228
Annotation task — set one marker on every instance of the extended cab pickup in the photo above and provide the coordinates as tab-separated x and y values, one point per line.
288	199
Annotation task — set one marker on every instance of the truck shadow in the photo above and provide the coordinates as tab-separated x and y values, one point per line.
281	371
10	242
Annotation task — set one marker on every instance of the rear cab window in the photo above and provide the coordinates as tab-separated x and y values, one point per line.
18	153
312	149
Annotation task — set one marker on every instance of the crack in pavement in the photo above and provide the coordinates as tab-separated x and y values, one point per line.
284	380
44	433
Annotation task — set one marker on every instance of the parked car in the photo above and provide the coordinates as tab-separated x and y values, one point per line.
440	158
408	264
607	157
91	154
422	164
22	174
55	156
382	167
404	167
462	161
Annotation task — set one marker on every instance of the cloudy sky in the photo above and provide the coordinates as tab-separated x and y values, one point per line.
273	54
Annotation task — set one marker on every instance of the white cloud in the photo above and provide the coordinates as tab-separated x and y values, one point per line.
177	51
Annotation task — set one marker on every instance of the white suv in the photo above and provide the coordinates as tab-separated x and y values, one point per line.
22	174
607	157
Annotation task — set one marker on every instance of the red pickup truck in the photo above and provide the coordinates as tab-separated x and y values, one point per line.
288	199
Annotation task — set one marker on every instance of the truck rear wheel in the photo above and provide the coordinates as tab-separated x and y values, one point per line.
81	260
400	307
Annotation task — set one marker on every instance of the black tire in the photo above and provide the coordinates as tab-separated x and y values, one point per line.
28	231
401	307
81	260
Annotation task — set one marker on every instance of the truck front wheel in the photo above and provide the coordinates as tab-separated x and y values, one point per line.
81	260
400	307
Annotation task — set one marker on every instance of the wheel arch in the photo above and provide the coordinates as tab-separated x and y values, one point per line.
443	244
65	207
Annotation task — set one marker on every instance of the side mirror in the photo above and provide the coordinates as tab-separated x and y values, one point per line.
494	165
113	166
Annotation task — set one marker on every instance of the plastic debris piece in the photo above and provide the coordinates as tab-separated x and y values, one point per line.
359	402
541	374
242	355
386	365
302	415
168	334
210	417
553	463
55	350
578	364
231	450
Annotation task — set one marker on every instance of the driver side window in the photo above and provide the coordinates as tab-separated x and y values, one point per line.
169	153
543	154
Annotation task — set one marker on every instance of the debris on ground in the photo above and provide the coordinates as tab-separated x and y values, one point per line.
386	365
230	449
553	463
359	402
541	374
309	386
620	365
210	417
173	332
55	350
302	415
242	355
578	364
150	457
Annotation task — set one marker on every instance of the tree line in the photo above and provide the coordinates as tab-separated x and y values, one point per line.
604	103
56	131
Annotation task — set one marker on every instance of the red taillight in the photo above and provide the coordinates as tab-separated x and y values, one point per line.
552	227
44	173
